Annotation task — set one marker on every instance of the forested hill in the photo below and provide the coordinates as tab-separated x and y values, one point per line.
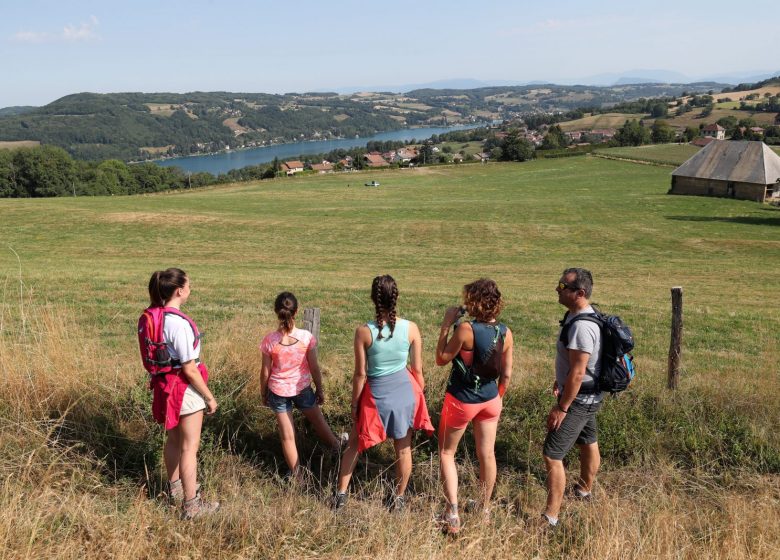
131	126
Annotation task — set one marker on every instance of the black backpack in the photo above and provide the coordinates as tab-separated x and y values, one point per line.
486	366
617	341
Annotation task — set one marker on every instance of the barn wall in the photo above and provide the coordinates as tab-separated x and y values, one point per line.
714	187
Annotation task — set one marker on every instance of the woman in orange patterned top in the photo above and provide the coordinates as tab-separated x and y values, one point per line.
289	367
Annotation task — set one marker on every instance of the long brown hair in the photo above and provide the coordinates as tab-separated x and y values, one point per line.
164	283
384	294
285	306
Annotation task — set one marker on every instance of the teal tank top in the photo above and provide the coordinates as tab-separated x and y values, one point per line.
387	355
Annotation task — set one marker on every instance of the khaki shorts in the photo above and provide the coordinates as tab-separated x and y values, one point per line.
193	402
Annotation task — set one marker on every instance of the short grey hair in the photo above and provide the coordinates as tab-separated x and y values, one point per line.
583	279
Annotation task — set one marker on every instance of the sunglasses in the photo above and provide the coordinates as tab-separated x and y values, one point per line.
565	286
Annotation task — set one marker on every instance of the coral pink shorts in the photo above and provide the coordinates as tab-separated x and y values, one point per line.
457	415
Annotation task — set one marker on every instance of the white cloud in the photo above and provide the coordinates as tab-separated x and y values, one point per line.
85	31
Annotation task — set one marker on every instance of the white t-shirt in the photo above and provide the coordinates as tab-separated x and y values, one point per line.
180	338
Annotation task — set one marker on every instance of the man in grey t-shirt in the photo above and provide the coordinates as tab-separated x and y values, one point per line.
573	418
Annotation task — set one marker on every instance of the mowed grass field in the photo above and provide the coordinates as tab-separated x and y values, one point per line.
686	475
665	154
607	120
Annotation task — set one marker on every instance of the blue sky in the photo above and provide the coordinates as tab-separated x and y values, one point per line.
53	48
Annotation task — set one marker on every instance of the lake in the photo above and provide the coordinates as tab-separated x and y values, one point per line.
236	159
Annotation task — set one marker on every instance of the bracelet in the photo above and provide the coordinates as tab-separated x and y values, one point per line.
561	409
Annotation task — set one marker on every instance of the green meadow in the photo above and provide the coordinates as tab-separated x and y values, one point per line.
686	474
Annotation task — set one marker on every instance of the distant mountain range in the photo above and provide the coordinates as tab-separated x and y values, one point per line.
637	76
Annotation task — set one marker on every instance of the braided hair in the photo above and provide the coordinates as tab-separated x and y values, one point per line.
384	294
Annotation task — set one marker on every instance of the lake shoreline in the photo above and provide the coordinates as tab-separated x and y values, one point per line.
256	155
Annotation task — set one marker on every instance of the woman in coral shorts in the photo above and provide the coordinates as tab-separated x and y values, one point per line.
480	351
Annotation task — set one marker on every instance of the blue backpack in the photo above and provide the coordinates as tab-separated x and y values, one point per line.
617	342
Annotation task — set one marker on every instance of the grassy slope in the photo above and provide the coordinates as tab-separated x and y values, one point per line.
607	120
85	262
668	154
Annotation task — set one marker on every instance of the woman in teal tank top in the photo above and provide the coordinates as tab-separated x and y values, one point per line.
475	389
387	391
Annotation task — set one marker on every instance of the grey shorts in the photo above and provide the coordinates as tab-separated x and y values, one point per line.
578	426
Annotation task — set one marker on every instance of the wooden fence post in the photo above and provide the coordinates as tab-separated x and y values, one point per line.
676	342
311	321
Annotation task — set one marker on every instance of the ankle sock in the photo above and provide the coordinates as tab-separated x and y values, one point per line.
553	521
580	493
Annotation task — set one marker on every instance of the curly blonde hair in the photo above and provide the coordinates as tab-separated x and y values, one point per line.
483	300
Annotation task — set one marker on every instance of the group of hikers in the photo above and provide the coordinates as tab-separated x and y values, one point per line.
388	385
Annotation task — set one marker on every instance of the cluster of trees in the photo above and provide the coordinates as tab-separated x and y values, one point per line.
757	85
50	171
512	147
770	104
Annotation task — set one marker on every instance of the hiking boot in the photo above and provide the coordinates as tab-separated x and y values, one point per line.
396	504
449	523
175	492
579	494
545	524
196	507
338	500
342	439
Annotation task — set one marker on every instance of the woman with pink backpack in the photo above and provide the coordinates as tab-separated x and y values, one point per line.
170	347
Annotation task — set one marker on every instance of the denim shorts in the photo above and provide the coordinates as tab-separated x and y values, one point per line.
579	426
303	400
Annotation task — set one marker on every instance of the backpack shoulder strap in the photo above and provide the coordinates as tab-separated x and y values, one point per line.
193	326
590	317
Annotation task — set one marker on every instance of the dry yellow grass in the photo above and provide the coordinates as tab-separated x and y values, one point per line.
163	109
685	474
233	125
59	499
606	120
738	95
13	145
154	150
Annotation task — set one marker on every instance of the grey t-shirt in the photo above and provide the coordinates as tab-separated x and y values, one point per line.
586	337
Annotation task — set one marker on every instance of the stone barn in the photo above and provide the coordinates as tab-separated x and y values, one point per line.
732	169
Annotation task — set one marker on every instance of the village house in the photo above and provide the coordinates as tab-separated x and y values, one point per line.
714	131
346	164
732	169
291	167
405	155
375	159
324	167
603	133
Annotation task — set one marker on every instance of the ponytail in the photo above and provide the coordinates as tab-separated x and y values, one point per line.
285	307
163	284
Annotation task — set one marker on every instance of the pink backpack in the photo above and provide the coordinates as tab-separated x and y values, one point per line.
154	352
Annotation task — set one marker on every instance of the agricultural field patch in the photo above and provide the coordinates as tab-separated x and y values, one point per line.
668	154
155	150
606	120
13	145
